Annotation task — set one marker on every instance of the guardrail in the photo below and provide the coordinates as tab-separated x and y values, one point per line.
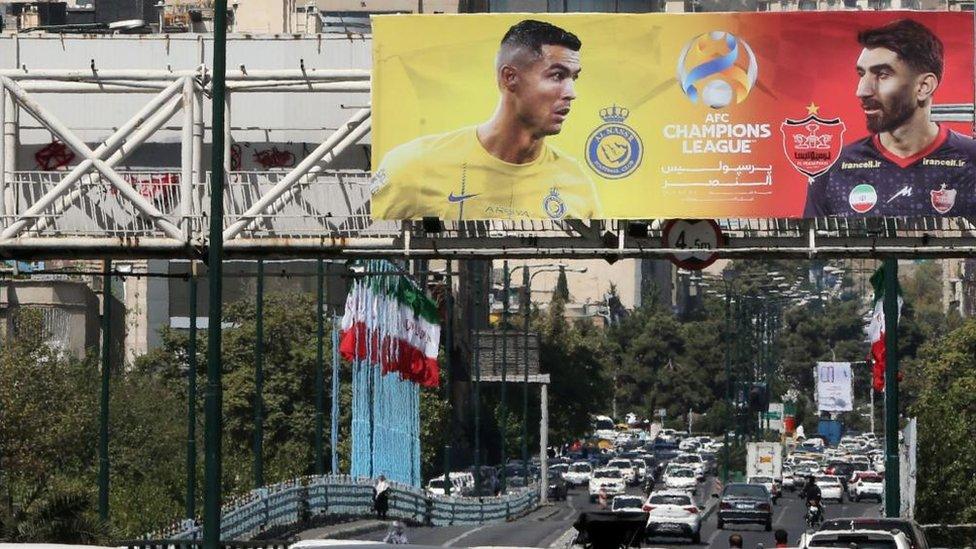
950	535
299	500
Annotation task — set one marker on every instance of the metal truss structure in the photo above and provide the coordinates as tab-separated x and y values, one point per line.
95	209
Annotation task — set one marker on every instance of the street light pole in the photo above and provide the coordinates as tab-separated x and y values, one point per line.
728	376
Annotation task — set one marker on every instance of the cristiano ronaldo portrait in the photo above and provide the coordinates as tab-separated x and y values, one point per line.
502	168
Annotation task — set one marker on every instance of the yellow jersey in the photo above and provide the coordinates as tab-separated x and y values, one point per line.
453	177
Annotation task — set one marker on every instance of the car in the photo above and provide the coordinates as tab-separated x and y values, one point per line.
841	470
689	445
692	461
672	513
578	473
866	485
608	479
640	468
830	488
745	503
668	435
769	483
911	529
789	480
626	469
681	478
870	539
561	468
558	489
627	504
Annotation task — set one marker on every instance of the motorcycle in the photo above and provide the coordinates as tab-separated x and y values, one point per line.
814	514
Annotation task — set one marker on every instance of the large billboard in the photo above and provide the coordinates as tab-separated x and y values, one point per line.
801	114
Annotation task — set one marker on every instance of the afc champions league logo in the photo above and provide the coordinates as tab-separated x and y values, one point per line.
717	69
614	150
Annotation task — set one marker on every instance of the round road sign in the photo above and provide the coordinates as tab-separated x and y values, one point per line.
700	236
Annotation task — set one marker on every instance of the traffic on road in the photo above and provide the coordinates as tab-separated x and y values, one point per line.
799	494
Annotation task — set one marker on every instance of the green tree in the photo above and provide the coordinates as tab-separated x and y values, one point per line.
946	380
48	412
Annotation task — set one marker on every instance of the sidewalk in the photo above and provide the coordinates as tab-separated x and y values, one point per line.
345	530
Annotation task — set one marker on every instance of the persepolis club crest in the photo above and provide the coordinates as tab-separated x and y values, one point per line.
812	144
943	199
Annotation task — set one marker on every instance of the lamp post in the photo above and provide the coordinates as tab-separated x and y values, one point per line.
525	305
727	277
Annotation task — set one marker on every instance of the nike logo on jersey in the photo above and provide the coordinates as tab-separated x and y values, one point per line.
459	197
905	191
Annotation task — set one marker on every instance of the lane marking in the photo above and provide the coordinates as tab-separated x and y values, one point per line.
456	539
782	512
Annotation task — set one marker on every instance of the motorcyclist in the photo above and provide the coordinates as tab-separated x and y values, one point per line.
812	495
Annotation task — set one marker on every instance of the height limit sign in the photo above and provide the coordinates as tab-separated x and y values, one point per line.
701	237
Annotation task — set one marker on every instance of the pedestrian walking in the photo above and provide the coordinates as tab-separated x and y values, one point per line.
735	540
381	497
781	536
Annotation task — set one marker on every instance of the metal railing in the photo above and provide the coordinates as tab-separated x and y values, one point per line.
300	500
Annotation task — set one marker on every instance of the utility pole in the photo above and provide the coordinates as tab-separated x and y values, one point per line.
892	480
259	379
213	414
103	407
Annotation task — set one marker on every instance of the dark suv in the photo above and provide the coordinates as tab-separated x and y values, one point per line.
745	503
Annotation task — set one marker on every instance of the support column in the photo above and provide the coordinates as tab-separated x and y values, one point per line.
448	363
187	159
228	138
524	305
104	401
259	380
191	412
213	455
506	284
198	166
544	441
476	351
892	480
320	370
9	154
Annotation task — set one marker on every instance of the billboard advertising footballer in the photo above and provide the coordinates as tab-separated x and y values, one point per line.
595	116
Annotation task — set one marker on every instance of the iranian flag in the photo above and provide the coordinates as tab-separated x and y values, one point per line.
876	329
391	323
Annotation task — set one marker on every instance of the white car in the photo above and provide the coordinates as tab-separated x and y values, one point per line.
830	488
627	504
561	468
771	486
610	480
689	445
892	539
789	480
640	469
578	473
673	513
866	485
681	478
692	461
626	469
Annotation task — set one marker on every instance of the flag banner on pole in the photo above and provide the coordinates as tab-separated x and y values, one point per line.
390	320
876	330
